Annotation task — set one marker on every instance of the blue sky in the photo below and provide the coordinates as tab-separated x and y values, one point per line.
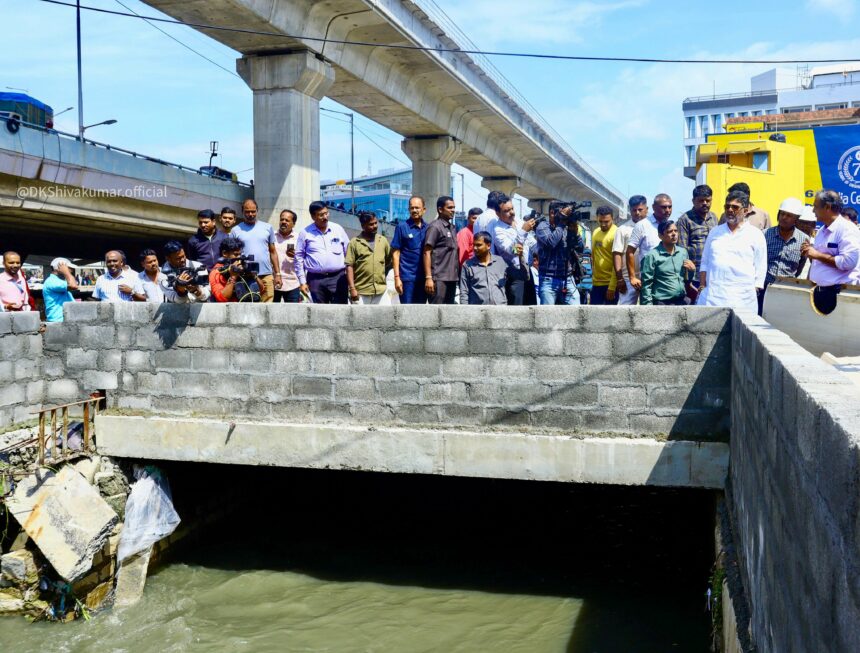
624	119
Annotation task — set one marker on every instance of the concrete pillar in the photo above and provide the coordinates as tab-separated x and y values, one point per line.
540	205
287	93
508	185
431	158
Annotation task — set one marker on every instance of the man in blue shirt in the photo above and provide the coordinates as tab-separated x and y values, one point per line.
203	246
407	247
57	287
258	239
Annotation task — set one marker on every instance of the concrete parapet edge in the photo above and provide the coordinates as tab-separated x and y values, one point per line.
512	455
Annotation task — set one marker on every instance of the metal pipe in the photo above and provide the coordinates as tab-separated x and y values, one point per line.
80	78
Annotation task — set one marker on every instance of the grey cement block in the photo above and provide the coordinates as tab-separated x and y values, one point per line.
639	347
556	368
34	345
5	323
312	386
82	359
563	318
207	361
315	339
363	389
63	389
702	319
13	347
371	413
374	365
602	420
252	315
7	372
573	394
80	312
231	337
97	380
684	347
125	336
516	393
630	396
35	393
133	313
289	314
512	367
27	368
372	317
95	336
11	395
588	345
192	337
658	319
25	322
110	360
541	343
398	390
58	336
464	317
425	367
278	339
485	392
465	367
607	319
435	392
363	341
446	342
422	316
418	413
403	341
329	315
208	314
492	342
179	359
516	318
251	362
556	417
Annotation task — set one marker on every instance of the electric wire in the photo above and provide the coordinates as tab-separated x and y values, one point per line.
184	45
420	48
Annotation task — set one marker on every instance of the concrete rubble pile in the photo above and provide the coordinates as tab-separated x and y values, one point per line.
61	564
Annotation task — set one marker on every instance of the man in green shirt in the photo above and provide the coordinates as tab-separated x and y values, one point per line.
663	268
368	260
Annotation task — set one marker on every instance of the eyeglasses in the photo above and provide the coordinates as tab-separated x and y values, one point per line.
733	207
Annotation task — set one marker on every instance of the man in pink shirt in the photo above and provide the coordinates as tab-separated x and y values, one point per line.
13	288
285	247
466	236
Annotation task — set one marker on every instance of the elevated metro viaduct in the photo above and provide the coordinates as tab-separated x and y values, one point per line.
449	106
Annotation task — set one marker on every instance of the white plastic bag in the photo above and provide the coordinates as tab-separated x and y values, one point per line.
149	513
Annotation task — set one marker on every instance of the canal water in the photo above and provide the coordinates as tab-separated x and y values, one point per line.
338	561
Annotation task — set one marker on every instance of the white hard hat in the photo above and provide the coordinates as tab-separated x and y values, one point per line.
808	215
57	262
791	205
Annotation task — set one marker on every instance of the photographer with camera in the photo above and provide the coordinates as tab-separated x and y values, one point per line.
187	281
559	245
509	242
234	277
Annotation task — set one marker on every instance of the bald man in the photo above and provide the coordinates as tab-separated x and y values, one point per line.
14	294
118	284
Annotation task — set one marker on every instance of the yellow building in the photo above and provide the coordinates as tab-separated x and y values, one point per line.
772	169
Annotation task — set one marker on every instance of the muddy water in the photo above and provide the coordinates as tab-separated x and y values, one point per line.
334	561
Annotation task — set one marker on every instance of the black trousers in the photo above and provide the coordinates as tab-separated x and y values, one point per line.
520	287
446	292
328	288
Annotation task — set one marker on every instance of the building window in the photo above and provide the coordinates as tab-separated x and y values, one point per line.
771	112
703	126
756	113
760	161
717	122
833	105
796	109
691	155
691	126
743	114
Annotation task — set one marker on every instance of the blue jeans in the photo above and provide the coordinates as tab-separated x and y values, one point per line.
551	292
413	292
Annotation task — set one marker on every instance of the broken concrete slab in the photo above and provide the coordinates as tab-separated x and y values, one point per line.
19	567
65	517
131	579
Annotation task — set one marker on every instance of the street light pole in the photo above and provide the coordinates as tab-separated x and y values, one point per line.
80	79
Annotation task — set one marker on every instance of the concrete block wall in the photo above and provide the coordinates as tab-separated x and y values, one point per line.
21	384
638	371
795	492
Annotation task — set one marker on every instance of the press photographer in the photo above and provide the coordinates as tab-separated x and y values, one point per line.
234	277
186	281
559	246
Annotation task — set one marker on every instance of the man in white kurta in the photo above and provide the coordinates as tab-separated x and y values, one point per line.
734	262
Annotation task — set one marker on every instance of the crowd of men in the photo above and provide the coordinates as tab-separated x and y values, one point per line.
497	258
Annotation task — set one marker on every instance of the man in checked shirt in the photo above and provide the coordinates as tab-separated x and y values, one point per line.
693	229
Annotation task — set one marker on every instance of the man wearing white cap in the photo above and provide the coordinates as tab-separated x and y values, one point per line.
57	288
783	245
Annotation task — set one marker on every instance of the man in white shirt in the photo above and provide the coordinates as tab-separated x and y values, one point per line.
485	221
836	252
644	236
734	261
117	284
509	242
627	294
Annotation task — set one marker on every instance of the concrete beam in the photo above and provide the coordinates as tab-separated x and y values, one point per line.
540	205
508	185
431	158
485	454
287	91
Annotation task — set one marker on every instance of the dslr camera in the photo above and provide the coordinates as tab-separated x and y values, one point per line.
199	277
245	264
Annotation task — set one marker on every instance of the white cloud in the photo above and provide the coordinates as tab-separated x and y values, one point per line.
842	8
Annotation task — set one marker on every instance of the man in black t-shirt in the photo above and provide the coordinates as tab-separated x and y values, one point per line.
442	255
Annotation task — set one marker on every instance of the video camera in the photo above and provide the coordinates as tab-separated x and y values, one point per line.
247	265
562	219
199	277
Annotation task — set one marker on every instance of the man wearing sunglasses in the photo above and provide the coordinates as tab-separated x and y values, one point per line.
734	261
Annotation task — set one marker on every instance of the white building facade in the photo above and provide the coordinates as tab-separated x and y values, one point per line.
777	91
